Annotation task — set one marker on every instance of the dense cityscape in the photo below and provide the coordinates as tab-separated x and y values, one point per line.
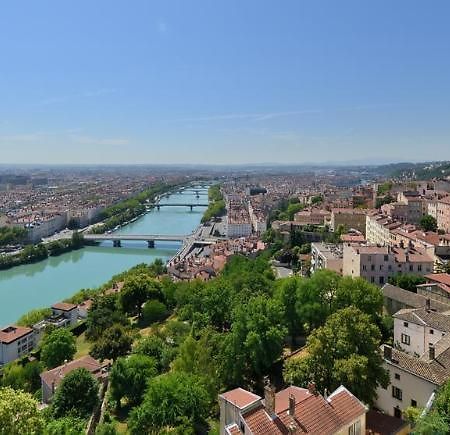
236	327
225	217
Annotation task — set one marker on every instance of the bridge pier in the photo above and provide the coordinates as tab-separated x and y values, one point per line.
151	243
117	243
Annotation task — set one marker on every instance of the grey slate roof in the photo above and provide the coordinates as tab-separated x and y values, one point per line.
421	316
411	299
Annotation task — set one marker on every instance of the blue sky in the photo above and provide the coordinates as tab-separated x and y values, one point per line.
224	81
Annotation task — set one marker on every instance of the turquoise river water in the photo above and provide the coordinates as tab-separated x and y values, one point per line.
41	284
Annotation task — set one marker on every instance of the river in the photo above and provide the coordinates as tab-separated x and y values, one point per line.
41	284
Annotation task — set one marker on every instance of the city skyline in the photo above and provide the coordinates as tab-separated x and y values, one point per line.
224	82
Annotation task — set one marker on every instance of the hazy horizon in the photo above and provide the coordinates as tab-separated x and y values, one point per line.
224	83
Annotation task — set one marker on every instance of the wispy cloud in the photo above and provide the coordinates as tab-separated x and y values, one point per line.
91	93
250	116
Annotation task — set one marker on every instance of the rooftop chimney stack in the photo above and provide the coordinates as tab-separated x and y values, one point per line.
269	399
428	304
291	405
431	351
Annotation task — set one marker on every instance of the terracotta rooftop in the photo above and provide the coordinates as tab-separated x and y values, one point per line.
90	364
240	397
12	333
442	278
64	306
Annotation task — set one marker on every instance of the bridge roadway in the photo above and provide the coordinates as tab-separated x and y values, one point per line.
149	238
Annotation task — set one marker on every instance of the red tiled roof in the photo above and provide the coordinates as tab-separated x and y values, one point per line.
346	406
63	306
90	364
12	333
443	278
233	430
282	397
240	397
259	422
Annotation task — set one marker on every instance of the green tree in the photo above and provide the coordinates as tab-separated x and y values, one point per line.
136	290
115	341
433	423
103	314
407	281
169	399
154	311
19	414
106	429
428	223
255	341
315	298
286	294
151	346
58	346
22	377
66	426
129	377
77	394
343	351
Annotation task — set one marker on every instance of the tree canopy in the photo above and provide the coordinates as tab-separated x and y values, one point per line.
76	394
19	413
57	347
343	351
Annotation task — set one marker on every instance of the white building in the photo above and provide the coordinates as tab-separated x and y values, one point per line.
413	380
326	256
417	329
15	342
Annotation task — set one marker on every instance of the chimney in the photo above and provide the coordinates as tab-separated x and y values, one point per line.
431	351
269	400
428	304
387	352
291	405
312	388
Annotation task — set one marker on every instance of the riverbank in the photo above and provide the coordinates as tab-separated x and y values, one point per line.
56	278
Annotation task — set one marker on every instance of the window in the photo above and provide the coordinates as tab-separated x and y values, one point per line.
372	267
396	393
411	268
389	267
369	258
372	279
381	279
397	376
355	428
431	331
381	267
405	324
406	339
397	412
386	258
419	268
413	403
364	267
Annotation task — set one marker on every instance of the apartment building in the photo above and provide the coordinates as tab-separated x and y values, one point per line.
313	216
349	218
377	263
379	229
15	342
410	207
326	256
416	329
443	213
292	410
413	380
437	287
